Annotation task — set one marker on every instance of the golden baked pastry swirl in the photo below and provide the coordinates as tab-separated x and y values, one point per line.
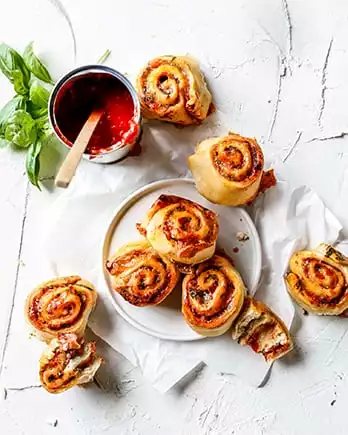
60	305
180	229
140	275
212	297
261	329
228	170
68	361
173	89
318	280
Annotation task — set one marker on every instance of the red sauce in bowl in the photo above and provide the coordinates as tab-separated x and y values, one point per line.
79	96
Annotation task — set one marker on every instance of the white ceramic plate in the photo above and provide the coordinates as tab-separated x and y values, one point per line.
165	320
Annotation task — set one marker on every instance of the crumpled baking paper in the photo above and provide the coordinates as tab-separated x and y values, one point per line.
287	219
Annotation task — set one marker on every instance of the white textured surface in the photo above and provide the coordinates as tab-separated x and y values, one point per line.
278	71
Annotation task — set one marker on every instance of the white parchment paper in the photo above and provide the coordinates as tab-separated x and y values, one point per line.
287	219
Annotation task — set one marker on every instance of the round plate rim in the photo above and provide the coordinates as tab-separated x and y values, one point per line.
117	215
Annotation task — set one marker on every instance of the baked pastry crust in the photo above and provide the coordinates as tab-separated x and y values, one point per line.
260	328
140	275
60	305
68	361
181	230
212	296
228	170
173	89
318	280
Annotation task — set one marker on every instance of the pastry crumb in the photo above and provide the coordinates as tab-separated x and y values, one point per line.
242	237
53	422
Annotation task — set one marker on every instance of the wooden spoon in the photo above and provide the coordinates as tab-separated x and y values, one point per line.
68	168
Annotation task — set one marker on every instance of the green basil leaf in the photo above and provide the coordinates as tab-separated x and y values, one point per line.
18	102
35	111
21	129
35	65
32	163
13	67
39	95
19	84
4	143
43	127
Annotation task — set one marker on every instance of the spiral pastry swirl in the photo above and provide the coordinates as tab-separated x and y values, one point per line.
228	170
213	296
181	230
173	89
60	305
140	275
318	280
68	361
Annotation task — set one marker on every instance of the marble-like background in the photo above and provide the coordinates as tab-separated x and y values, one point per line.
278	70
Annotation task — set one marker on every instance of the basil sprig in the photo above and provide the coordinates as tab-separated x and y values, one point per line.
24	119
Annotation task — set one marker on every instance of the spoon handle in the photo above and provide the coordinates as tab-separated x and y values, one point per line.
68	168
